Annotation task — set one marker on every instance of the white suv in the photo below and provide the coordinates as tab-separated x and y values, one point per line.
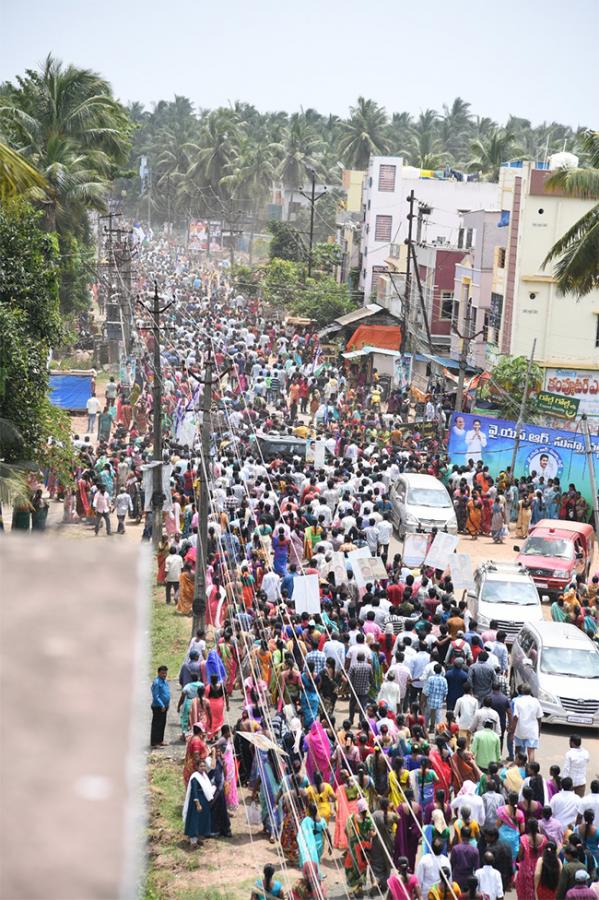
561	665
504	593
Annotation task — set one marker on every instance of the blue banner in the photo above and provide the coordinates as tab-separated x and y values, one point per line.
544	451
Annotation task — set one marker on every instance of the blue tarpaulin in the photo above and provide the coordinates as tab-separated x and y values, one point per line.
70	392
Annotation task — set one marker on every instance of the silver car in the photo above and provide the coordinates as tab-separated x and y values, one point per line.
561	665
421	503
505	593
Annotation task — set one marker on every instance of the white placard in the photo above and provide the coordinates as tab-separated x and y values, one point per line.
368	569
337	567
315	453
460	567
415	548
306	594
441	549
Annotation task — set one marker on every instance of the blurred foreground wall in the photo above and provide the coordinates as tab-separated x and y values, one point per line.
74	707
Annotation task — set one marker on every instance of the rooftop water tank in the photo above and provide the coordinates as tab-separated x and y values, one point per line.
563	160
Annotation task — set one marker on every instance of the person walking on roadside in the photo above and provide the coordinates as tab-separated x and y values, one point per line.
123	504
173	567
93	406
161	698
101	504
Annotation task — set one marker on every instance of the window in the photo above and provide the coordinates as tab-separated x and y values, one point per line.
597	332
469	238
486	328
461	239
446	304
382	228
496	310
501	257
387	178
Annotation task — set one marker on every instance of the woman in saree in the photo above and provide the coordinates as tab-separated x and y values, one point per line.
347	796
376	678
225	745
197	810
267	887
296	547
312	536
318	753
463	766
289	682
377	768
510	822
322	794
474	516
218	700
188	694
186	588
162	552
398	782
199	711
293	802
227	651
309	698
524	516
248	583
403	885
309	886
407	836
264	781
346	756
437	830
277	649
311	836
440	762
195	750
381	854
423	782
263	659
359	831
83	506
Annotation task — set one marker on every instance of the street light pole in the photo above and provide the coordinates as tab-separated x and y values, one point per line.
312	197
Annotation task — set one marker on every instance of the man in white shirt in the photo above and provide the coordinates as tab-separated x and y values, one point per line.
270	586
465	710
526	722
335	649
173	566
429	867
590	801
489	879
384	531
93	408
101	503
575	765
564	804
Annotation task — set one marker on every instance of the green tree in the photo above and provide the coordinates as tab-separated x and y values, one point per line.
425	148
364	134
285	243
29	324
17	177
301	148
576	253
490	152
456	128
506	386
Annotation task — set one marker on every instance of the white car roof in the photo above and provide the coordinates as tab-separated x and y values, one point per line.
414	479
557	634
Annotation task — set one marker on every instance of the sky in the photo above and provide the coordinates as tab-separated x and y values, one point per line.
531	59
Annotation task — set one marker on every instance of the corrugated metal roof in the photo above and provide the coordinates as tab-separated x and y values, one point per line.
369	310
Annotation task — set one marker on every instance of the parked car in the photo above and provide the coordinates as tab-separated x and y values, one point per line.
561	665
280	445
505	593
555	552
421	503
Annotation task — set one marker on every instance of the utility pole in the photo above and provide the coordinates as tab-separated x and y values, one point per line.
157	492
412	251
312	197
199	585
466	337
522	407
588	449
408	284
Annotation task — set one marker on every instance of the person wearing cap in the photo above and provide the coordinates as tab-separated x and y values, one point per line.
581	889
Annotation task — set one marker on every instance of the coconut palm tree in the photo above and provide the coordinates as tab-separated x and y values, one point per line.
424	148
65	122
216	150
17	177
455	127
490	152
301	149
576	254
364	134
400	131
251	178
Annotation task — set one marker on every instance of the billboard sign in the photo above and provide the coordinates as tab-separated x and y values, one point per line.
549	452
576	384
558	405
198	236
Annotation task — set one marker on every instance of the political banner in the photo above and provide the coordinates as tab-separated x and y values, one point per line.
440	550
306	594
415	548
460	568
546	452
315	453
579	385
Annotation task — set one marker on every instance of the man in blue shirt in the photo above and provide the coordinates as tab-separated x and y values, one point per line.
161	698
456	677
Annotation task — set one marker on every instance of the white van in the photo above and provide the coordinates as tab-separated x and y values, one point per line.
421	502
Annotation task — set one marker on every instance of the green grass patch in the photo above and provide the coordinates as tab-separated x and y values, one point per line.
170	634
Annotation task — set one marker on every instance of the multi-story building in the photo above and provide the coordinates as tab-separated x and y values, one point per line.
438	205
525	305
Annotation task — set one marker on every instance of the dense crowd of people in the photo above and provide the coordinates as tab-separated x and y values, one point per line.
378	726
